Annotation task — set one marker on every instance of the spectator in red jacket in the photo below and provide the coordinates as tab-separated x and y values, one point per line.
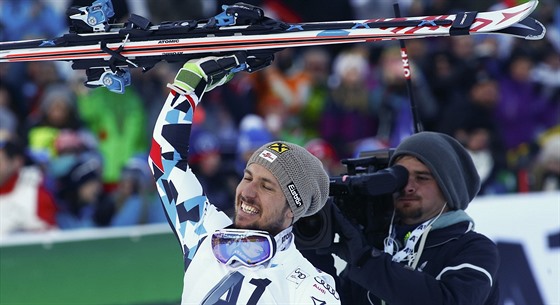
25	204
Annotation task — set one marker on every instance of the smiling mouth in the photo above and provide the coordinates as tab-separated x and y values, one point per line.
248	209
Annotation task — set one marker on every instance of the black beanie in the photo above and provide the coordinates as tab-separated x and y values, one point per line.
449	162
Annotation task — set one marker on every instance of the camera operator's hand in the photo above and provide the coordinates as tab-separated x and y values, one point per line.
352	245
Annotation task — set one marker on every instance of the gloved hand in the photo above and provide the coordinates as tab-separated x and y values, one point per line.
204	74
352	245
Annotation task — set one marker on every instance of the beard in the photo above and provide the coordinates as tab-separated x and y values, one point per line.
410	214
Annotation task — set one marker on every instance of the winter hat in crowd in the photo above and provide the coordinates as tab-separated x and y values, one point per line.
251	139
84	171
450	164
300	175
58	92
137	170
253	133
321	149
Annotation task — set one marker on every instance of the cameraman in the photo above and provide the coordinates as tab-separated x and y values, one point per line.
432	255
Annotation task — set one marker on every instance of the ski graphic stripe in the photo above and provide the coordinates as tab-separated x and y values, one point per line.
483	23
508	16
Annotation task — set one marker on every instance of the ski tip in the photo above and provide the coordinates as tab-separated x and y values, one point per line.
540	34
528	29
502	20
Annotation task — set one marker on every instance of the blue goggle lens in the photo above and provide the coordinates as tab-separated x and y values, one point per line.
249	247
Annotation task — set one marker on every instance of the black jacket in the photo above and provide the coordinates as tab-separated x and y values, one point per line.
457	267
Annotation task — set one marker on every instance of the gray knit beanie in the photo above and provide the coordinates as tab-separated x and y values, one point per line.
58	92
449	162
300	174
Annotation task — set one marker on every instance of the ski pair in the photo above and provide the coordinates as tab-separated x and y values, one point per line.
107	50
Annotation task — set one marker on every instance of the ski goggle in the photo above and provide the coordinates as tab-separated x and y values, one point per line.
248	247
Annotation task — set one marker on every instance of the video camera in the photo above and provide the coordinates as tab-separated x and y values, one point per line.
364	195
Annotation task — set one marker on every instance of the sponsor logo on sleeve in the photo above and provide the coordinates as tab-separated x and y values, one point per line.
297	276
324	287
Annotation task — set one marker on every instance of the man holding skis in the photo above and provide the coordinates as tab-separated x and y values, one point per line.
251	259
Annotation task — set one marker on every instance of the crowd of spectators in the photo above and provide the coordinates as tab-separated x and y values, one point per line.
497	95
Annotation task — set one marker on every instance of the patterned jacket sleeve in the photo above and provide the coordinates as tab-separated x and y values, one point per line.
188	211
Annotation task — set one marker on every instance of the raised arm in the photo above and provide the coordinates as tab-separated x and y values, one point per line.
188	211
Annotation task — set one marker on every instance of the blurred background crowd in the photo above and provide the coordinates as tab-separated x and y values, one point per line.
73	157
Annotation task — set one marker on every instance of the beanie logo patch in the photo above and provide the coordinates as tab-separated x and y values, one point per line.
279	147
268	156
295	194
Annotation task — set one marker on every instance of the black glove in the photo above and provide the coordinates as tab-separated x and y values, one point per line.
352	245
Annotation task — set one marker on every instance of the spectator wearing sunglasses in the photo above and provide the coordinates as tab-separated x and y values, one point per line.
249	258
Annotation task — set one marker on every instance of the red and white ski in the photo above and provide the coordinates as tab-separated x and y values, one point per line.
105	50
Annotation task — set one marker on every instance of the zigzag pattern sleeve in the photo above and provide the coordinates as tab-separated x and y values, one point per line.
188	211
